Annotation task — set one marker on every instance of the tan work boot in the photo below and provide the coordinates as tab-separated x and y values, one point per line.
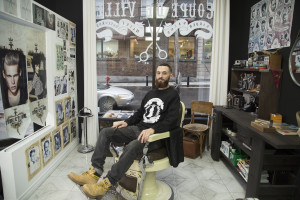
87	177
96	190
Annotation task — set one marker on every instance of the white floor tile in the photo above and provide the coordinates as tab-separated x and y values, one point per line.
194	179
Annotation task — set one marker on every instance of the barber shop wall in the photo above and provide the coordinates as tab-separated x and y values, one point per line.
238	50
72	10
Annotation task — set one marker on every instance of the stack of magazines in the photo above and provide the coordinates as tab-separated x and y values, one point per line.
243	166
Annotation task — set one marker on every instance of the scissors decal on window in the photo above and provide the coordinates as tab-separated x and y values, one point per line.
162	54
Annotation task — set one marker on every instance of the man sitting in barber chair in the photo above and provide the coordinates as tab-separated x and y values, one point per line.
158	113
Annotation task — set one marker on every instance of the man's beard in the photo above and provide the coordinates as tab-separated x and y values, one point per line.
162	84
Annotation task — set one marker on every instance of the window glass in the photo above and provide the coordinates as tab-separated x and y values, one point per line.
124	30
186	47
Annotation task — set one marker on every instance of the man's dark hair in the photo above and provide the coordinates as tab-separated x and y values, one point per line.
35	61
12	58
166	65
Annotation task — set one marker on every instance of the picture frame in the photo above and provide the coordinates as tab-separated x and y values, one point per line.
67	108
65	134
47	150
72	34
59	108
57	138
33	159
73	128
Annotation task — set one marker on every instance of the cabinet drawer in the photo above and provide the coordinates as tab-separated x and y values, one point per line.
244	135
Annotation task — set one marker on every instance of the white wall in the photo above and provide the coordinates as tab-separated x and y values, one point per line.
15	180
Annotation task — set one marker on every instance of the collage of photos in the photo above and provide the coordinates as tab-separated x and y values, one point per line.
270	25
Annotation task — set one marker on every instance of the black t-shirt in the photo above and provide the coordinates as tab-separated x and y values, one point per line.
159	110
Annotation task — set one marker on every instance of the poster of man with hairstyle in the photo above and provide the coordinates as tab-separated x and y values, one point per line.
13	78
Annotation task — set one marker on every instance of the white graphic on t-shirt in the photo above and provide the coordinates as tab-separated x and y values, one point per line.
153	109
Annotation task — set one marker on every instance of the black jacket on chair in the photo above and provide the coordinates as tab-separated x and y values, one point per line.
174	146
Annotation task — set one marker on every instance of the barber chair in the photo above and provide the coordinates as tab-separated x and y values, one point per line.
139	182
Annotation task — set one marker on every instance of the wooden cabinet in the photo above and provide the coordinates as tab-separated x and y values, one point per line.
271	152
268	97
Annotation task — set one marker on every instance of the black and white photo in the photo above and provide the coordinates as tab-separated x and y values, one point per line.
57	146
46	143
67	106
59	112
33	160
66	133
73	127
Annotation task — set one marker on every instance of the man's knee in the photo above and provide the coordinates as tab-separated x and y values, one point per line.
106	132
135	147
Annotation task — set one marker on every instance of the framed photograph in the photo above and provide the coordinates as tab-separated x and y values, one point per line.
50	20
73	128
33	160
72	33
56	135
67	107
47	153
66	133
59	107
57	85
62	28
38	15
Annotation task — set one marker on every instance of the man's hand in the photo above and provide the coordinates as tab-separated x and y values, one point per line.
120	124
144	135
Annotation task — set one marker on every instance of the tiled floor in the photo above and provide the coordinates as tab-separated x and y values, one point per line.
194	179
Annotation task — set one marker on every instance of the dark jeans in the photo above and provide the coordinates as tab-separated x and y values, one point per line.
134	147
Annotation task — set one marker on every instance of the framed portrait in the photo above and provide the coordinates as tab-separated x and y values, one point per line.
73	107
38	15
64	84
73	128
57	86
50	20
47	153
33	160
59	108
72	33
67	107
66	134
56	138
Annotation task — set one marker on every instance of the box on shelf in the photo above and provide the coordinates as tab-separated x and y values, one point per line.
277	118
225	146
273	61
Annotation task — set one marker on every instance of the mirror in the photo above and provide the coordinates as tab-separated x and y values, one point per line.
294	62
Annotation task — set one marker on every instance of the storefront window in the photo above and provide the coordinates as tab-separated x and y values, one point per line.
186	48
124	31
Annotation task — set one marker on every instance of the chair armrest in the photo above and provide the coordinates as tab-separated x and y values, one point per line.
158	136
